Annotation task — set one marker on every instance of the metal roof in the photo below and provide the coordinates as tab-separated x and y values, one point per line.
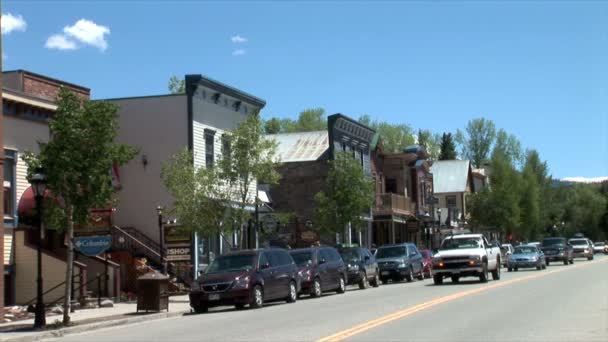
302	146
450	175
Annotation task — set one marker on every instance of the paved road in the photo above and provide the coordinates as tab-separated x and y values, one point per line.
562	303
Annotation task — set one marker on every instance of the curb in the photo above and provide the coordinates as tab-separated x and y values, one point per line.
92	326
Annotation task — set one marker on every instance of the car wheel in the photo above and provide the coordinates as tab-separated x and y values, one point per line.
571	261
544	266
315	290
483	277
363	283
437	280
547	262
293	292
516	269
239	306
590	258
342	286
565	261
201	309
455	279
384	281
410	276
509	269
376	281
257	301
539	267
496	274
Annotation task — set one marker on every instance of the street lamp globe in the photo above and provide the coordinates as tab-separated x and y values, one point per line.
38	182
159	210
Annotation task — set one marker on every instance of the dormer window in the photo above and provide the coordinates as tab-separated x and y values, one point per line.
216	98
237	105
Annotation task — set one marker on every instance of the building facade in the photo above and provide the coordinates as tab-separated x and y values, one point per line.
304	167
160	127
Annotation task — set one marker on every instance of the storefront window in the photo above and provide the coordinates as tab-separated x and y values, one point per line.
9	187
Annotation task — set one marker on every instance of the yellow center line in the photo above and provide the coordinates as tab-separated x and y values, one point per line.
342	335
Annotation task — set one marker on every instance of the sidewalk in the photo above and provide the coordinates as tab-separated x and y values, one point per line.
90	319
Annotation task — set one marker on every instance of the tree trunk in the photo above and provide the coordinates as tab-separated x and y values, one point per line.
67	299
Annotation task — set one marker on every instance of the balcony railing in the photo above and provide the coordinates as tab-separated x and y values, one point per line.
388	204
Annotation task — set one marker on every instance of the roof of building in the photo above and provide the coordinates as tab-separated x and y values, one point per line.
450	175
301	146
46	78
222	87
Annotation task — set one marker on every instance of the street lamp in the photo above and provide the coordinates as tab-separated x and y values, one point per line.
38	182
161	239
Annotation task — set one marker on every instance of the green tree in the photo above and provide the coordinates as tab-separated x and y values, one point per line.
447	147
77	161
509	146
477	140
348	196
530	203
272	126
430	142
312	120
395	137
199	200
251	159
176	85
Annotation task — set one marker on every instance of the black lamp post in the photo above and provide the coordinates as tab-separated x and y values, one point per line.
38	182
161	239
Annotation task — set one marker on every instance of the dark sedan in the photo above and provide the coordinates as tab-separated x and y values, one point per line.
398	262
557	249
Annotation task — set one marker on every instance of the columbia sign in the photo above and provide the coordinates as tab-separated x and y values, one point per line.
93	245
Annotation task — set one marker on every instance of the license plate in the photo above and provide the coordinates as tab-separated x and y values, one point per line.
214	296
385	272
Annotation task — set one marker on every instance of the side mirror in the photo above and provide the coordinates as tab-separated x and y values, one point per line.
322	261
265	266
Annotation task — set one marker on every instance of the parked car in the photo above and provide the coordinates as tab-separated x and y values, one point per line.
557	248
398	262
600	247
526	257
506	249
249	277
467	255
362	268
581	248
321	269
427	262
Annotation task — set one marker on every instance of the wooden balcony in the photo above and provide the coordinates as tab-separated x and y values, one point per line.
392	204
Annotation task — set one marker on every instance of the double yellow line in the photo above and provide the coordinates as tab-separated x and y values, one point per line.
342	335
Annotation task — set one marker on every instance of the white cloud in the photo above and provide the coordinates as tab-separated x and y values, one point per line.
12	23
89	33
239	52
238	39
60	42
83	32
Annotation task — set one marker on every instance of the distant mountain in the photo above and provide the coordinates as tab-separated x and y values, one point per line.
584	180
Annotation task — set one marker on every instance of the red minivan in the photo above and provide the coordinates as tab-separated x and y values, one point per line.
249	277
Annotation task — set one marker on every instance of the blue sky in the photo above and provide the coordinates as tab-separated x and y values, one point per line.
537	69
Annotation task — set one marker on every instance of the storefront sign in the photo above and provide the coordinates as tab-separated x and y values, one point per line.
308	236
93	245
179	252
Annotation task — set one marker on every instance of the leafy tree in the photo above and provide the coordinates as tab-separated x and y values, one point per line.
530	204
272	126
430	142
76	162
477	140
447	147
349	194
395	137
199	198
176	85
509	146
252	158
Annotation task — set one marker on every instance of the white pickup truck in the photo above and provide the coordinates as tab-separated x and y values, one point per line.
468	255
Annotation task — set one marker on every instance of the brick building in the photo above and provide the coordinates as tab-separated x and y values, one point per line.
304	166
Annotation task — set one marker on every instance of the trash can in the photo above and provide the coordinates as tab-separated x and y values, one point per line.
153	292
